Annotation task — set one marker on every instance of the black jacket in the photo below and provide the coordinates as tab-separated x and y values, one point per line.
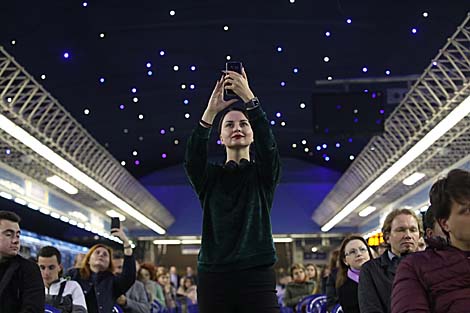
375	285
21	286
347	296
101	290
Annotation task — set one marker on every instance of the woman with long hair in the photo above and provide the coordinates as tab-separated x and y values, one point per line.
313	274
95	275
235	271
354	252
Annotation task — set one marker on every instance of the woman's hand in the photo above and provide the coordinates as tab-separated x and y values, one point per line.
238	83
216	102
118	232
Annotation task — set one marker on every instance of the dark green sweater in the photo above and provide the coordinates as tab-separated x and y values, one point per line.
236	203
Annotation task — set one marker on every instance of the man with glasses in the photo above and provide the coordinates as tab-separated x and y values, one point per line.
21	286
401	231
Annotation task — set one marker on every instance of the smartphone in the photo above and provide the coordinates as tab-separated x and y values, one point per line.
115	222
235	67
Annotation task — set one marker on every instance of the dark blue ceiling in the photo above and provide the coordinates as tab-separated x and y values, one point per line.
271	38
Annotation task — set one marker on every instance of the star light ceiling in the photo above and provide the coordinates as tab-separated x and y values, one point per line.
138	77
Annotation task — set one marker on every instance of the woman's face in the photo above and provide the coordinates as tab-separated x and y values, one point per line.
99	260
236	130
187	283
164	279
298	275
311	272
356	254
144	275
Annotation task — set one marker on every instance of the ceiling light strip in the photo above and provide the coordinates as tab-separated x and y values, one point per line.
34	144
460	112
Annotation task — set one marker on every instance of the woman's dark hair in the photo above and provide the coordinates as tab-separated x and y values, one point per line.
343	268
333	262
151	268
239	109
453	188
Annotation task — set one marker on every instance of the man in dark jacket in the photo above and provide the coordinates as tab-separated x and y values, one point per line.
401	231
21	286
438	279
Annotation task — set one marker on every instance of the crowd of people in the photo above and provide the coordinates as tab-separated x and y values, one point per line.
359	279
237	255
399	276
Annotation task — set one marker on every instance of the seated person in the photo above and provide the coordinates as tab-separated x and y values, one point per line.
188	289
431	228
66	295
135	300
313	274
354	252
438	279
299	288
21	286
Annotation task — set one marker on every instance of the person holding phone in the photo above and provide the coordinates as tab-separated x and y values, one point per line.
237	252
96	275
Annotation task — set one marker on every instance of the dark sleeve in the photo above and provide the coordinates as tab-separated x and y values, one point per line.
33	289
266	150
369	300
408	293
141	303
195	159
331	296
122	283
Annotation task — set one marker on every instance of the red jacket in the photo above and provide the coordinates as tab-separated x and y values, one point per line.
436	280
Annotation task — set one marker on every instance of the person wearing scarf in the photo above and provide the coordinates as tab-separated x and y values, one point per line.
354	252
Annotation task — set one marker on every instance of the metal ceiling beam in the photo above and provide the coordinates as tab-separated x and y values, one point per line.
26	103
442	87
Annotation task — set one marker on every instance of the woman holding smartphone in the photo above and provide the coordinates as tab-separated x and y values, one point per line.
237	251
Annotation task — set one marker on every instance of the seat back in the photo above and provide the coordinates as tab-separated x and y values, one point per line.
156	307
50	309
305	301
117	309
317	305
337	309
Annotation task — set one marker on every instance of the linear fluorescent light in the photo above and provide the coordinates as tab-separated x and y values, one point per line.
280	240
6	195
21	201
79	215
62	184
31	142
413	178
166	242
113	213
191	241
367	211
461	111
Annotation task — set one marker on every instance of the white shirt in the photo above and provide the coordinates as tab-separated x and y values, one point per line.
71	288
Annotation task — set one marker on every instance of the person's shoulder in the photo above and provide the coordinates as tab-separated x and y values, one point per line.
25	263
421	258
72	273
72	284
371	264
138	285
